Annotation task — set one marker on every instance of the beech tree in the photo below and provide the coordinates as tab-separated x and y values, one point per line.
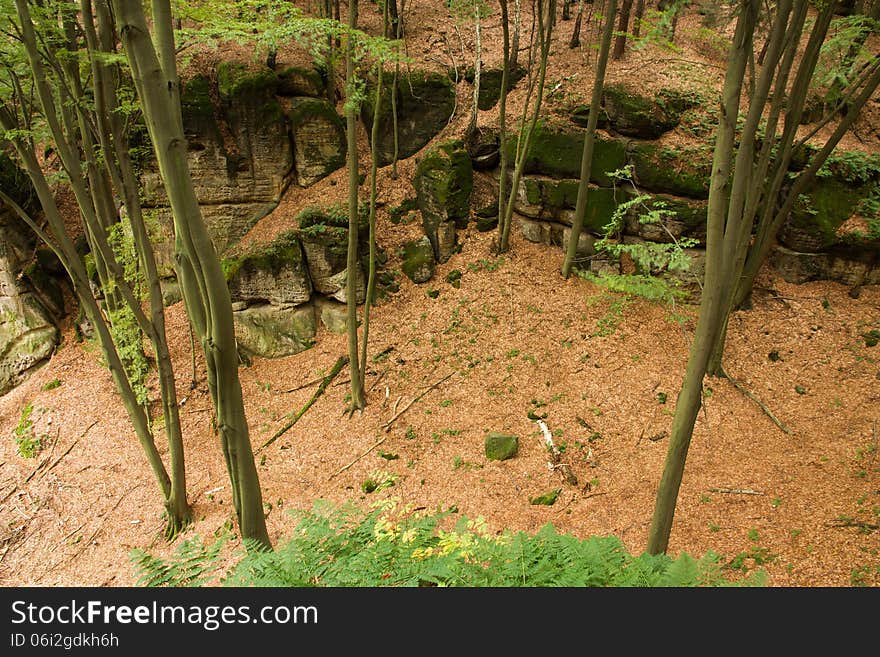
45	101
152	58
751	191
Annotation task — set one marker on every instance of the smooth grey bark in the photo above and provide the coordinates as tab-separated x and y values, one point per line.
203	285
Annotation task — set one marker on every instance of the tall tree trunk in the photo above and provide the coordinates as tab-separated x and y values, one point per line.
201	278
622	27
357	385
590	141
575	40
517	24
637	19
502	117
478	66
689	398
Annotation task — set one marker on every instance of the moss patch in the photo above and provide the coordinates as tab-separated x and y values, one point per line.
683	171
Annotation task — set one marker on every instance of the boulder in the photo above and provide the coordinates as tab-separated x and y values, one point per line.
274	273
689	219
839	266
273	331
443	183
555	200
425	102
646	117
418	260
333	314
239	154
556	152
301	81
319	144
324	237
28	334
490	84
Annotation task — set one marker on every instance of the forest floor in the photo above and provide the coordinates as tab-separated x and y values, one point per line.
515	338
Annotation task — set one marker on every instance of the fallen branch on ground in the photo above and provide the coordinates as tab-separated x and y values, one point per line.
739	386
736	491
556	456
387	425
854	523
370	449
340	363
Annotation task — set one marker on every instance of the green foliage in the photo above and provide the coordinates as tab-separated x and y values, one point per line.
192	564
28	443
346	546
651	259
51	385
843	54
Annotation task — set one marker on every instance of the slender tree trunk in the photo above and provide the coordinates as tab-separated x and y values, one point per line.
637	19
514	43
357	385
478	66
546	12
202	282
590	141
502	117
622	27
689	398
394	82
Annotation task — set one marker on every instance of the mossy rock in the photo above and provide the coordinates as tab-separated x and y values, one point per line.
333	314
236	80
501	446
28	337
580	116
319	142
323	233
689	220
645	117
444	180
16	184
196	105
301	81
417	260
682	171
425	102
273	331
557	153
490	84
555	200
275	272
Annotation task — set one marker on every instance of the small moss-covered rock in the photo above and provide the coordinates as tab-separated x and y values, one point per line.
444	180
275	272
418	260
501	446
425	102
546	499
683	171
454	278
319	144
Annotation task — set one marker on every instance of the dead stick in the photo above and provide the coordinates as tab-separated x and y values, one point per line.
387	425
736	491
340	363
346	467
69	449
764	408
555	455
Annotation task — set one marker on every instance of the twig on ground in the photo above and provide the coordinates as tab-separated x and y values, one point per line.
340	363
867	526
370	449
736	491
69	449
739	386
556	456
387	425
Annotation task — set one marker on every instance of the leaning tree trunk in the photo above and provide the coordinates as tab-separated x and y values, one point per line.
589	142
689	398
202	282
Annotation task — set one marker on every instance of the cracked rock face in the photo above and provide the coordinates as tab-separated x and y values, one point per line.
28	335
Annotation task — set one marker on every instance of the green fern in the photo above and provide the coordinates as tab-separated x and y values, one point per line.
347	546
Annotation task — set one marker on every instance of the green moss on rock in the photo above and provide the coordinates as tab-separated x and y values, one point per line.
236	80
501	446
417	260
683	171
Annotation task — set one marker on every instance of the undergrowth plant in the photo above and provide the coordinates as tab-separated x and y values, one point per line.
658	266
347	546
28	443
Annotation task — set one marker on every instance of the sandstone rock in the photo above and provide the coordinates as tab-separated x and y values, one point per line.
333	314
273	331
796	267
324	237
275	272
425	102
443	183
682	171
319	144
646	117
301	81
